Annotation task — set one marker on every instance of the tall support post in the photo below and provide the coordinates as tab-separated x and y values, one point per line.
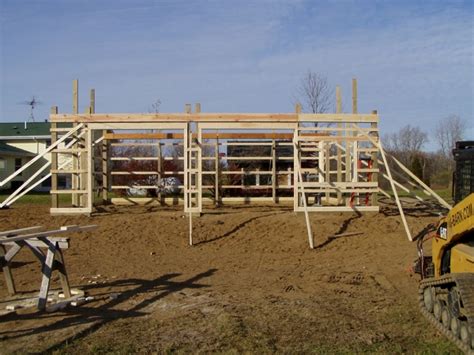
327	165
95	136
92	100
274	172
339	152
217	173
198	143
159	170
105	169
296	159
89	166
84	166
321	161
354	95
186	167
187	176
74	156
355	158
54	161
192	166
375	163
75	96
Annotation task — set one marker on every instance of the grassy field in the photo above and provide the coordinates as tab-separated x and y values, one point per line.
36	198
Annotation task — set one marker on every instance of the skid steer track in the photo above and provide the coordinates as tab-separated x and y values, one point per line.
439	289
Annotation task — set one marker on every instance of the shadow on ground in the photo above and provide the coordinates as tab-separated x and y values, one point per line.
95	317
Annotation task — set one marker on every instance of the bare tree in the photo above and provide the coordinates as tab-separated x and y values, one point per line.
408	139
314	93
448	131
407	145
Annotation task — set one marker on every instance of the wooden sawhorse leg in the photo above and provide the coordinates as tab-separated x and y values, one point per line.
54	260
6	270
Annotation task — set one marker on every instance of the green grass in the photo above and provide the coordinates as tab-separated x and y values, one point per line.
40	198
35	198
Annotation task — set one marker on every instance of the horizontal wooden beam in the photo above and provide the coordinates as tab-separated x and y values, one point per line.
206	200
214	117
19	231
338	117
64	229
175	117
58	211
115	136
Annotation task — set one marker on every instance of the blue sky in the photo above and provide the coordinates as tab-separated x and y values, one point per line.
413	59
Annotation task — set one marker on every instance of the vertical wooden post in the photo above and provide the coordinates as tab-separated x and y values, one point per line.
190	228
63	277
89	166
274	172
47	271
296	160
217	173
159	168
75	96
85	156
187	108
92	100
321	160
327	166
355	144
339	152
375	163
186	166
105	169
199	165
54	161
197	107
7	271
74	156
94	137
354	95
298	108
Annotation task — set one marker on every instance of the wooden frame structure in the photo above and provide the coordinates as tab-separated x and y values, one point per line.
315	165
317	162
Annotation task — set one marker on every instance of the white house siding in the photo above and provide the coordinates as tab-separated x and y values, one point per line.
36	147
7	170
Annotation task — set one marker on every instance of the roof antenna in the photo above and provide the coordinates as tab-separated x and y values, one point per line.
32	103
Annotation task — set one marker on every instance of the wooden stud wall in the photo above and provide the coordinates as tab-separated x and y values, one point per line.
330	152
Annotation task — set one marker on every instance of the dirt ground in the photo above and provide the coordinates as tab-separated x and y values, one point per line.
250	284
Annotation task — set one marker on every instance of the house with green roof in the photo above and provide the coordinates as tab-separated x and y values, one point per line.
19	143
